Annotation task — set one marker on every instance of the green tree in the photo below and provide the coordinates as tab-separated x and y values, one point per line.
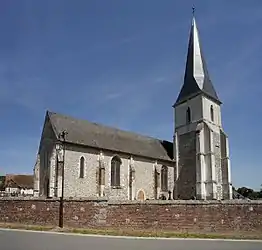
250	193
260	192
2	183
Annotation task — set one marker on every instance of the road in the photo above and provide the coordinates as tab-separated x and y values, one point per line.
21	240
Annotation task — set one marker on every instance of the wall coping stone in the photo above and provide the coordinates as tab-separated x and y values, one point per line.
44	199
134	202
189	202
27	199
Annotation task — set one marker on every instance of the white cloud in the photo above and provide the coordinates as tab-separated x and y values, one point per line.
112	96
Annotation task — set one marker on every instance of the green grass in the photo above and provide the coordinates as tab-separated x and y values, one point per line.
26	227
136	233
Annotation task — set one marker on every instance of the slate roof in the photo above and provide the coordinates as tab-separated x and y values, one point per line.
196	78
95	135
21	181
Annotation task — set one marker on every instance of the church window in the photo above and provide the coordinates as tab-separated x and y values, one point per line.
115	171
212	113
188	115
82	167
164	178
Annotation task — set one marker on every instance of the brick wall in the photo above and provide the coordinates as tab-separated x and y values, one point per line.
29	211
178	216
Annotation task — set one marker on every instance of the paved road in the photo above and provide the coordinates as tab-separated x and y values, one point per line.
27	240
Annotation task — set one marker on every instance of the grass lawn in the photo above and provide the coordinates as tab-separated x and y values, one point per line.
136	233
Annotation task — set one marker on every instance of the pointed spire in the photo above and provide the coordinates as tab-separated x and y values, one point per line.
193	11
196	79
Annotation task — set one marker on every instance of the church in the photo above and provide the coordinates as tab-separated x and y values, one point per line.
81	159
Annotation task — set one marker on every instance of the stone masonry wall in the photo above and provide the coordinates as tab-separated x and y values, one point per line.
46	159
186	181
225	167
235	217
216	142
87	187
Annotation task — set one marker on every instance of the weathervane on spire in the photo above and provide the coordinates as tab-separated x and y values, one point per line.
193	11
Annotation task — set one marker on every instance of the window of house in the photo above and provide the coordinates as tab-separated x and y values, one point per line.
115	171
212	113
82	167
164	178
188	115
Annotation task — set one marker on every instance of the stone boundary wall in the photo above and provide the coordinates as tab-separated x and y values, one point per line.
236	216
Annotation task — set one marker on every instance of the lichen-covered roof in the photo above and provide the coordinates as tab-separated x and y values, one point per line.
95	135
21	181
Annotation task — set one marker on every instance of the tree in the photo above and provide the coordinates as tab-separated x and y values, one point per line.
250	193
260	192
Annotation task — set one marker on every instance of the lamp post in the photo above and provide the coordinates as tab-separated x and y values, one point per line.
62	138
59	161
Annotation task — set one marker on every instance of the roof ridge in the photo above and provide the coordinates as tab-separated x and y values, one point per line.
97	135
117	129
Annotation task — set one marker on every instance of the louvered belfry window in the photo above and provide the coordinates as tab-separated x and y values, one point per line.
188	116
115	171
212	113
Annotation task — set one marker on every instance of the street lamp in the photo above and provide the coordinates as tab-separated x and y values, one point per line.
58	148
61	145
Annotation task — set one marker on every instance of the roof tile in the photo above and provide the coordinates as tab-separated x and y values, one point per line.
95	135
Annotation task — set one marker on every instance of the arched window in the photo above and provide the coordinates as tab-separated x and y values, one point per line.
164	178
82	167
188	115
115	171
212	113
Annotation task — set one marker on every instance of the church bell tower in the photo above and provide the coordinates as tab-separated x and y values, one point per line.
201	145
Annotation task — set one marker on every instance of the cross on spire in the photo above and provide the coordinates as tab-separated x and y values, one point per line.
193	11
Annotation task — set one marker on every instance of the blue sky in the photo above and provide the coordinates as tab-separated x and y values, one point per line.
121	63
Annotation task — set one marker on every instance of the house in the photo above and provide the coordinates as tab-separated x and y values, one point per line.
101	161
19	185
2	183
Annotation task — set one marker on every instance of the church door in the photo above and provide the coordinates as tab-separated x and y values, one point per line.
141	195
